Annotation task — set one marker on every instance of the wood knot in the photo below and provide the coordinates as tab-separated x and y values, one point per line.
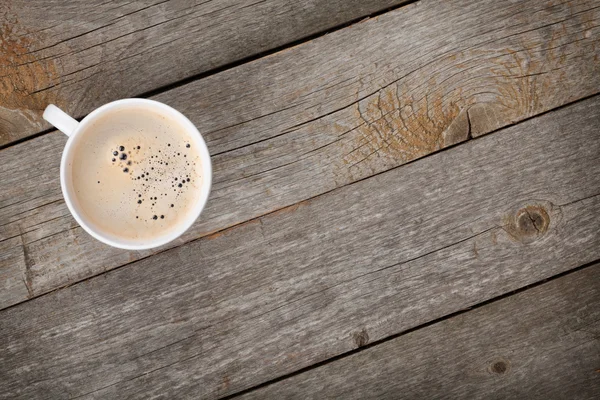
361	338
532	221
529	223
500	367
27	78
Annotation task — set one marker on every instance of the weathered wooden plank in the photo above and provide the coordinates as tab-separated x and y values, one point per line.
351	104
543	343
318	279
80	55
12	264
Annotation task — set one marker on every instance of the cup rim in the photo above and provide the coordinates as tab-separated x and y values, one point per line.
204	189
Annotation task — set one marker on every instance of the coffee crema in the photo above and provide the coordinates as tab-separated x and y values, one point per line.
136	173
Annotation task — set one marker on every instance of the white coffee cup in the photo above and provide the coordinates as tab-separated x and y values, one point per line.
74	129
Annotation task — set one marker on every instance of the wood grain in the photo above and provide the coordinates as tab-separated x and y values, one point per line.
81	55
317	279
338	109
543	343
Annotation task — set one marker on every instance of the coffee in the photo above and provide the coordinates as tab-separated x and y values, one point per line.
135	173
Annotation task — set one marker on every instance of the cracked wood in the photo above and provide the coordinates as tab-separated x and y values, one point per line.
338	109
315	280
81	55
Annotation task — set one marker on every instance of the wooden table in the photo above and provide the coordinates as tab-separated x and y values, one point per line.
406	201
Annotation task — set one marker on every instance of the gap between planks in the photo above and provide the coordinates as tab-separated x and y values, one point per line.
411	330
216	70
295	205
270	388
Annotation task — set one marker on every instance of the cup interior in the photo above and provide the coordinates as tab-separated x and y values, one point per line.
66	175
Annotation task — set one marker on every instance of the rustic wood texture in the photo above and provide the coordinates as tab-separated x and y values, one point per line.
543	343
313	118
82	54
323	277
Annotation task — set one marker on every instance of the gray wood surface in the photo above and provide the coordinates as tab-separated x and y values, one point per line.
543	343
315	280
313	118
82	54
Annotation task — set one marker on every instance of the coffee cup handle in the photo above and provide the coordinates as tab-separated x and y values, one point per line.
60	119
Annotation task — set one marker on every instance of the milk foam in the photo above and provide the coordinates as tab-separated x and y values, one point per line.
135	173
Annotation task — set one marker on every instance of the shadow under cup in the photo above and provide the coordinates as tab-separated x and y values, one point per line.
87	131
